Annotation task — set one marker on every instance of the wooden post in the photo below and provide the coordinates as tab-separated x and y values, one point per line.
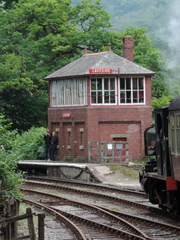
31	224
41	217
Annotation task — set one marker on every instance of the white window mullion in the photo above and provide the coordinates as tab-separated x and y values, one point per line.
131	90
102	90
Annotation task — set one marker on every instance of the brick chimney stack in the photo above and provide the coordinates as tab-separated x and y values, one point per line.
128	48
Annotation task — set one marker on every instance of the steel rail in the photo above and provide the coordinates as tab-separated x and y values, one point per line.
135	232
111	198
166	226
90	185
77	232
97	195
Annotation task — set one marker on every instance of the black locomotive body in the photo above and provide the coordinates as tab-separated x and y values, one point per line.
161	176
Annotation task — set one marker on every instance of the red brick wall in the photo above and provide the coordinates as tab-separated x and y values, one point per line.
131	121
91	123
98	124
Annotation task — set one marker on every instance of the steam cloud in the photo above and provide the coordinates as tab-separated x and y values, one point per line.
173	37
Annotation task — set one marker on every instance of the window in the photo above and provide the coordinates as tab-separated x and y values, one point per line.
172	127
178	133
131	90
68	92
103	91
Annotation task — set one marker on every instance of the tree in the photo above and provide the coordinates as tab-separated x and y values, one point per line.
24	109
8	3
161	102
93	23
36	39
146	55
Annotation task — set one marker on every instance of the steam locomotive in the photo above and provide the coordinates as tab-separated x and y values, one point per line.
160	177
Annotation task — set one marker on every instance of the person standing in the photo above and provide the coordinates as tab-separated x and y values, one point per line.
54	143
47	139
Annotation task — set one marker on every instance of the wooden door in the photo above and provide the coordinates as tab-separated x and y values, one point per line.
120	149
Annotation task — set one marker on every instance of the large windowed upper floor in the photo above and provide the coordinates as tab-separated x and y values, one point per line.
103	91
130	90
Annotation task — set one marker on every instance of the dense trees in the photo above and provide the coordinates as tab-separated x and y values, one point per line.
38	37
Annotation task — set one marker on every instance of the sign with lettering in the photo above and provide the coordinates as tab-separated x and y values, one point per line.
66	114
100	70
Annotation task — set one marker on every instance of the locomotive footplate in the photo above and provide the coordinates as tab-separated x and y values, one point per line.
152	175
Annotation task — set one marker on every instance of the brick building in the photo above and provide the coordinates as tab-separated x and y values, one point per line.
100	105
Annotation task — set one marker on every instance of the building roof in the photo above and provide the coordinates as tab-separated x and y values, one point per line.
110	60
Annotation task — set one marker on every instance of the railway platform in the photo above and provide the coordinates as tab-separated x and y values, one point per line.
84	172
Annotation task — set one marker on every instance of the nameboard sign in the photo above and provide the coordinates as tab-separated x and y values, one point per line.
100	70
66	115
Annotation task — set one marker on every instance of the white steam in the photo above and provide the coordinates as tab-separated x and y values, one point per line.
173	36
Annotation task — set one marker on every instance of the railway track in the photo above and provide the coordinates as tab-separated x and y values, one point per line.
145	226
109	195
89	189
89	186
90	222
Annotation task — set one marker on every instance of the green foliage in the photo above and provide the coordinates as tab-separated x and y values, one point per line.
159	87
145	53
6	136
29	145
41	36
10	179
144	20
12	75
92	22
161	102
138	13
24	108
31	46
14	147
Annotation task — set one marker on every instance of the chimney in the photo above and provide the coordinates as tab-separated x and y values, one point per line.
128	48
85	50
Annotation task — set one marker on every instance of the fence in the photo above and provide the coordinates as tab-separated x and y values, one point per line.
108	152
10	228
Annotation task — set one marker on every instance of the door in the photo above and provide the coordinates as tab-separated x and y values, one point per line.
120	149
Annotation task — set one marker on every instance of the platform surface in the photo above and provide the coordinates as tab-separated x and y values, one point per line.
98	171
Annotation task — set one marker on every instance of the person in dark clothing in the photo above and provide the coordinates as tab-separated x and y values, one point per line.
54	143
47	139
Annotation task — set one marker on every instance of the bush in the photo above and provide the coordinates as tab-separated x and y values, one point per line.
14	147
29	145
10	179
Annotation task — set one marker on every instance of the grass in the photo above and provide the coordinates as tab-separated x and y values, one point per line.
23	225
125	170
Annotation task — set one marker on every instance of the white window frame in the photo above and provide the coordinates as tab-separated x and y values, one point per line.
68	92
131	91
97	91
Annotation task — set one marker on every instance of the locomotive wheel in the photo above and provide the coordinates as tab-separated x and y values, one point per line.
152	195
